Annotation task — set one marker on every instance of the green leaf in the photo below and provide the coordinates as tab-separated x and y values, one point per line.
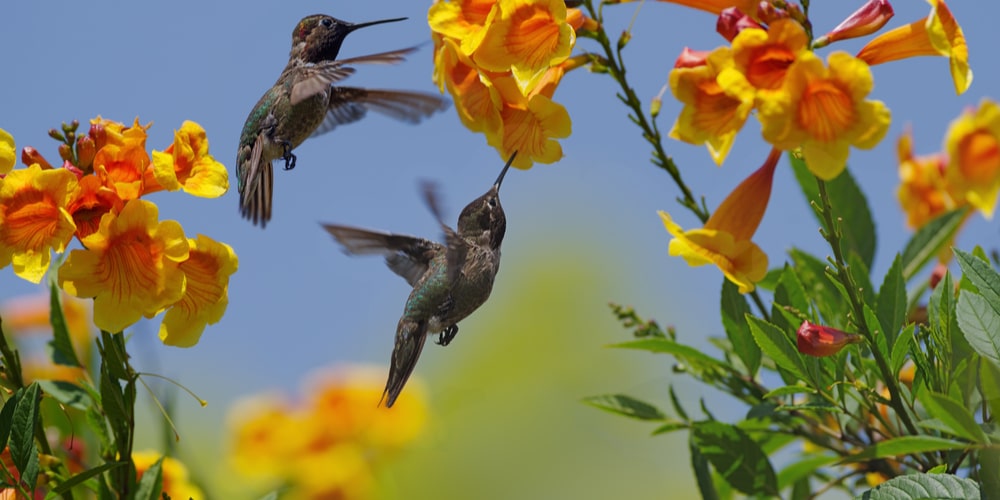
736	457
891	302
23	451
670	426
979	272
905	445
7	418
702	472
626	406
689	355
151	484
901	348
789	390
803	468
790	302
849	205
819	287
877	331
83	476
62	347
958	419
930	240
862	278
67	393
981	325
777	346
923	487
734	312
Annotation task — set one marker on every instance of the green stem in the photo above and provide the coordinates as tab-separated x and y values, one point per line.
616	68
832	235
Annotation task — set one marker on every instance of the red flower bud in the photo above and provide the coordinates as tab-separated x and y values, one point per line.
868	19
98	135
732	21
691	58
85	151
937	274
30	156
819	341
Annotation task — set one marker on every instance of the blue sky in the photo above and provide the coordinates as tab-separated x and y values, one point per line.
297	303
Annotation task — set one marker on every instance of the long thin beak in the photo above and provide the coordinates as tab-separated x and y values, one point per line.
353	27
504	171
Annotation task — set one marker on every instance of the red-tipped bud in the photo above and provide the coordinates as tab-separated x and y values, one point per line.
66	152
732	21
99	135
768	14
819	341
868	19
937	274
31	156
85	151
691	58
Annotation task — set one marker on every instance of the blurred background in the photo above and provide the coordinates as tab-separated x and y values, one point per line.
506	419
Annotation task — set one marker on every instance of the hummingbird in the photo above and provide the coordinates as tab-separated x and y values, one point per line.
449	280
304	103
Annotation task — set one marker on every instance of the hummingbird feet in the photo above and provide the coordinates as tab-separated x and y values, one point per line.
447	335
288	156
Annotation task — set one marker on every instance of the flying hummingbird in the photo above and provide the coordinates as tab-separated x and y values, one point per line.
449	281
304	103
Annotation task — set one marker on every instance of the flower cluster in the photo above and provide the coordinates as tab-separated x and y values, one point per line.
132	263
501	60
330	445
817	109
966	173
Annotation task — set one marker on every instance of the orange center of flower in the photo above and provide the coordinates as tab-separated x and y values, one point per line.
130	265
534	35
32	219
716	110
980	157
826	111
768	66
203	287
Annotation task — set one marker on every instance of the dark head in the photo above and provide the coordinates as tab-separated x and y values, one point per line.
318	37
483	219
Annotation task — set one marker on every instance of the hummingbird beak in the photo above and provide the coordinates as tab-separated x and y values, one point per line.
353	27
496	185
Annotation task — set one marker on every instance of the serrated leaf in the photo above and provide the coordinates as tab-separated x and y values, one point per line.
67	393
901	348
923	487
151	484
777	346
981	325
736	457
734	312
958	419
877	332
979	272
22	430
849	205
62	347
803	468
819	287
626	406
84	476
929	240
905	445
891	302
862	278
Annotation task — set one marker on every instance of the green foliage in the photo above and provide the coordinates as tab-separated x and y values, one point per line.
924	486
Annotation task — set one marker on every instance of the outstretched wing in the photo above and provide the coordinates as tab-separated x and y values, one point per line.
313	78
407	256
350	104
458	248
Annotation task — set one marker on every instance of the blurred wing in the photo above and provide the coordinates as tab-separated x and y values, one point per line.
313	78
410	339
255	184
407	256
458	248
350	104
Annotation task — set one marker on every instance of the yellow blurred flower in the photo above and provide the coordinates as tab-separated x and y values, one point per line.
972	145
31	313
33	219
922	192
266	432
938	34
824	111
725	240
206	292
8	152
176	483
712	113
763	57
526	37
130	266
186	164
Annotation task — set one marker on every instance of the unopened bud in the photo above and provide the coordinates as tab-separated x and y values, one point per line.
732	21
868	19
691	58
85	151
817	340
624	39
31	156
66	152
98	134
57	135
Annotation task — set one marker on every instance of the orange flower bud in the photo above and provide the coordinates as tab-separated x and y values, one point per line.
85	152
819	341
691	58
31	156
98	135
868	19
732	21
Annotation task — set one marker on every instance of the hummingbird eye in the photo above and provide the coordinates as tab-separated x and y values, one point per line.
492	202
327	22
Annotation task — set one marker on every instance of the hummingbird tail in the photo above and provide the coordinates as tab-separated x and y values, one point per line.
410	338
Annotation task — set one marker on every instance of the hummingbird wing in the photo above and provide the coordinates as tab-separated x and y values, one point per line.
256	179
410	339
313	78
350	104
407	256
458	248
